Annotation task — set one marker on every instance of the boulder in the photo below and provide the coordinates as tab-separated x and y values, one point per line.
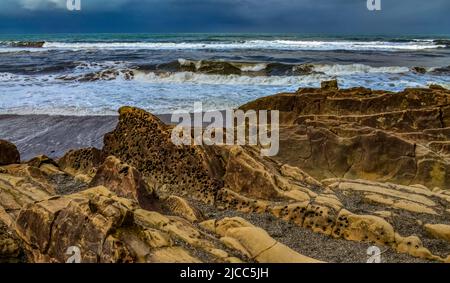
82	163
144	142
29	44
8	153
419	70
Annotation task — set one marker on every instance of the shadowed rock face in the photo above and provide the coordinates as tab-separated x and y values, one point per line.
29	44
10	250
343	181
8	153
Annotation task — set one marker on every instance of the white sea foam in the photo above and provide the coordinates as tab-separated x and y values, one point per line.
323	72
253	44
20	49
196	78
42	94
252	67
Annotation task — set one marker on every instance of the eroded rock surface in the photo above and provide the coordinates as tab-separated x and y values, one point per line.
363	134
356	168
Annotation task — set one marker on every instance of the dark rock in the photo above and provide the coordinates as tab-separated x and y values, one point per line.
8	153
419	70
125	181
144	142
29	44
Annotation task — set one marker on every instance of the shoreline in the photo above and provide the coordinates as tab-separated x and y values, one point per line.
55	135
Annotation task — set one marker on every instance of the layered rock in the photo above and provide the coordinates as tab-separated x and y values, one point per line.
254	184
356	168
363	134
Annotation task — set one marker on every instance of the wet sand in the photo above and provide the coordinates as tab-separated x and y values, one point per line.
54	135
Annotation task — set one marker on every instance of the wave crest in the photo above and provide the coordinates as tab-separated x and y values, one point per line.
279	44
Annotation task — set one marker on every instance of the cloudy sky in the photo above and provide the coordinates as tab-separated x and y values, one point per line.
293	16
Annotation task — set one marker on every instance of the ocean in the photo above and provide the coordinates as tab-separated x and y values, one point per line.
95	74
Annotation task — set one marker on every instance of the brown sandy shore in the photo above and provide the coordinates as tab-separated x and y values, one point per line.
356	168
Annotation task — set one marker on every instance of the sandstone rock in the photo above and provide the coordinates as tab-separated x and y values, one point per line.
125	181
144	142
413	199
413	245
246	175
8	153
41	160
256	243
441	231
10	251
182	208
357	133
43	174
108	228
355	166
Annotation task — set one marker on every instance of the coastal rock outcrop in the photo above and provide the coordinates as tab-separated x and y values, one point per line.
363	134
143	141
356	168
8	153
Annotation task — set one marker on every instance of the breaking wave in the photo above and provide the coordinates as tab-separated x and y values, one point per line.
279	44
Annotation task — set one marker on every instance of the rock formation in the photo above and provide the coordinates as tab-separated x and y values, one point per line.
356	168
8	153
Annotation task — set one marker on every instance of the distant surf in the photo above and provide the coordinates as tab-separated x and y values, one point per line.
309	45
95	74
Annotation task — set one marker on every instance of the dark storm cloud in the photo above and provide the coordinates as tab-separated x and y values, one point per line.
303	16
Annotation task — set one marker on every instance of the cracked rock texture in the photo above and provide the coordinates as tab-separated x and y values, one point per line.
356	168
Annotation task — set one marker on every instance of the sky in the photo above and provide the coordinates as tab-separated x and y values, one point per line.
253	16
